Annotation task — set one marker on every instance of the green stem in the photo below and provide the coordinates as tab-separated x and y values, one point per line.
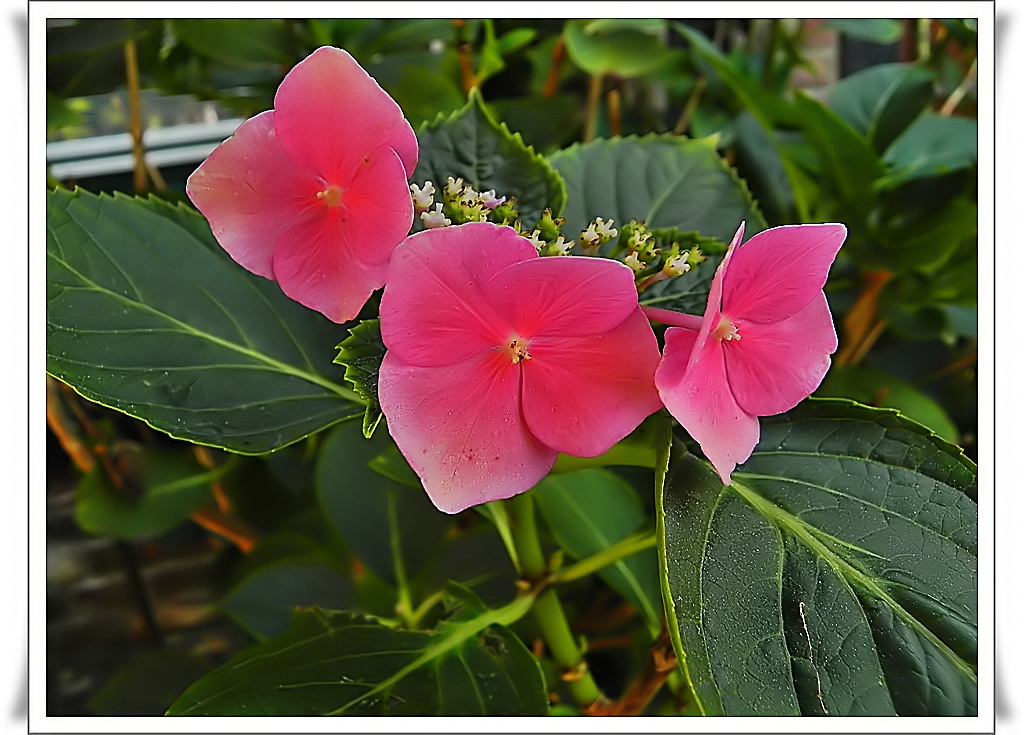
547	609
626	547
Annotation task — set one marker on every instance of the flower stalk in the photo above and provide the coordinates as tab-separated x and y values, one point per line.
547	610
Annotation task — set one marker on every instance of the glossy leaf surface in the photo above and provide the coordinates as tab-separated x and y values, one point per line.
337	663
836	576
147	315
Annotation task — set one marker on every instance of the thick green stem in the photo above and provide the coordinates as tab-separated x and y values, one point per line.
547	609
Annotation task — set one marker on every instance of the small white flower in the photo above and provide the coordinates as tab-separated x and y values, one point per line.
535	239
605	229
453	188
677	266
422	198
634	262
435	219
560	246
489	199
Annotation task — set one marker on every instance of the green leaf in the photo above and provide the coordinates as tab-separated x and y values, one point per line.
874	30
770	109
881	101
932	146
171	486
589	510
603	48
472	145
361	354
687	293
876	387
239	42
264	601
844	156
836	575
375	515
334	663
146	314
148	684
663	180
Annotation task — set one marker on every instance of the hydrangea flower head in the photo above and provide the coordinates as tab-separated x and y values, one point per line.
314	194
763	345
499	359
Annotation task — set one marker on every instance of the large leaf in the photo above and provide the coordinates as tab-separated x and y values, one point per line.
146	314
663	180
844	155
881	101
263	602
603	47
238	42
472	145
386	523
687	293
934	145
836	575
167	487
588	511
338	663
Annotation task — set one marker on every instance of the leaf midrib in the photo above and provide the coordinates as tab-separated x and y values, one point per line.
186	328
850	574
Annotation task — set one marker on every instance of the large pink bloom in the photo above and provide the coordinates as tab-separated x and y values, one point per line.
314	193
763	344
499	359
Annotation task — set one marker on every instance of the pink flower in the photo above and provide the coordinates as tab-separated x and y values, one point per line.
314	194
762	346
499	359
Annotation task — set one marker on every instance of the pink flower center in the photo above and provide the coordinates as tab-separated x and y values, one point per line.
331	196
516	349
726	330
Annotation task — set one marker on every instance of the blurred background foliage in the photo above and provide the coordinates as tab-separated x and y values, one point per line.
869	122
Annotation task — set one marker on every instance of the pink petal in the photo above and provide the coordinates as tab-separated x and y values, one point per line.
583	394
777	272
331	113
772	367
701	400
251	191
315	263
334	260
564	296
433	311
461	429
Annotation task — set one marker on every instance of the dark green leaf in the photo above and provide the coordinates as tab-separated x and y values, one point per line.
588	511
375	515
770	109
264	601
242	42
544	122
932	146
146	314
603	48
361	354
338	663
874	30
687	293
844	156
836	575
881	101
148	684
170	486
475	147
663	180
876	387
